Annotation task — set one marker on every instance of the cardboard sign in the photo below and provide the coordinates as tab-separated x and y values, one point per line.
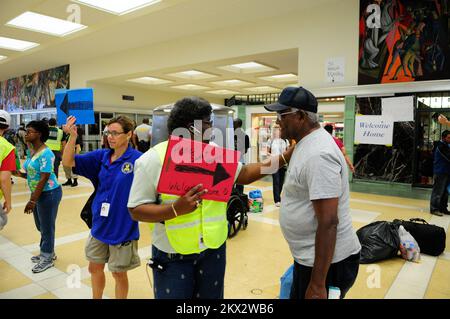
78	102
400	109
188	163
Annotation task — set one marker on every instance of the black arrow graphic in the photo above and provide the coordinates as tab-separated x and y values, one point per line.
218	176
66	107
65	104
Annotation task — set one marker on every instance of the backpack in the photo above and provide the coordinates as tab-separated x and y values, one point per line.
10	136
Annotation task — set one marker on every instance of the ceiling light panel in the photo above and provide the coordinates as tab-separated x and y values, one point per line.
192	74
149	80
118	7
263	89
288	77
190	87
16	45
223	92
247	67
2	57
232	83
44	24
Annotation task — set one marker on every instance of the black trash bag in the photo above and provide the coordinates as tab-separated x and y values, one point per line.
379	241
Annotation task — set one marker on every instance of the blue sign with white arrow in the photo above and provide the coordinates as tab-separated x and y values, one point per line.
78	103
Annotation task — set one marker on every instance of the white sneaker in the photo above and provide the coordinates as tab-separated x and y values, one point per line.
278	204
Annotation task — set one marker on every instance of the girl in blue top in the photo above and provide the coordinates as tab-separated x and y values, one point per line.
46	193
114	235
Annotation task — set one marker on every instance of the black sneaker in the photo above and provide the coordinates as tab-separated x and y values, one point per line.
436	212
75	183
68	183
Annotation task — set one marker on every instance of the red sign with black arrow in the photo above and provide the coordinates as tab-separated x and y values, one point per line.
188	163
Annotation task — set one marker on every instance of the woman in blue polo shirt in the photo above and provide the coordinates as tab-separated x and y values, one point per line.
114	235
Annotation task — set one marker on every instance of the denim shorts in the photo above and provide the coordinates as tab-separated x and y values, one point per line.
194	276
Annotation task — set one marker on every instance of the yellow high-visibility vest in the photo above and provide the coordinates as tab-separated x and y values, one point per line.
205	227
5	148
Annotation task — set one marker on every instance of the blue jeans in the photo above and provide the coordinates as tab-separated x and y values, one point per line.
44	217
195	276
278	181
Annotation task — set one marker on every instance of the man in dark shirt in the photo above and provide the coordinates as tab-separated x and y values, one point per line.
441	171
241	144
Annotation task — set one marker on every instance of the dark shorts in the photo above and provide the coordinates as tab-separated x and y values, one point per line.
341	274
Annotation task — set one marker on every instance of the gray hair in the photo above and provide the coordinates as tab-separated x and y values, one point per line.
312	117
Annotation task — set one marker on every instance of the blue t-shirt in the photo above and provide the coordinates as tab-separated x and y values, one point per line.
41	162
113	182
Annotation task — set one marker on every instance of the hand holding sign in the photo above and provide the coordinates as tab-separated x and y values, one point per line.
70	127
189	202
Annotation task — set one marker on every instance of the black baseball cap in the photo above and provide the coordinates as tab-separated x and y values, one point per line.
295	97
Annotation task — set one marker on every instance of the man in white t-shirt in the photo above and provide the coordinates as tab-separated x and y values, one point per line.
315	213
278	146
143	135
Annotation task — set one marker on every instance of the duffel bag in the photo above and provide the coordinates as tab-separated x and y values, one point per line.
431	238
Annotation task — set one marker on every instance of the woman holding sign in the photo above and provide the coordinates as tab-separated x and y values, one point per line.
114	235
190	230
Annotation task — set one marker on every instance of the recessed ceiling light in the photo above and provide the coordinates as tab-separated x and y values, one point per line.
16	45
190	87
192	74
118	7
223	92
247	67
263	89
2	57
44	24
288	77
149	80
232	83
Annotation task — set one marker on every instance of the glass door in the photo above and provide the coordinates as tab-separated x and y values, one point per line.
428	132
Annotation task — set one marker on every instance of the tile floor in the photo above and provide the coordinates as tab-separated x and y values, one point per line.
257	257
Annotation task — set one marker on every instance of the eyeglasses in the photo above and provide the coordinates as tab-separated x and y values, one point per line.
280	115
30	132
112	133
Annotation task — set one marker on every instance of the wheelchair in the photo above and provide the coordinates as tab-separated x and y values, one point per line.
237	209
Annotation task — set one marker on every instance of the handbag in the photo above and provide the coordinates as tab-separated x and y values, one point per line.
86	211
431	238
286	282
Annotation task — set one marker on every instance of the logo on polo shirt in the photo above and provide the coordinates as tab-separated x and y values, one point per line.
127	168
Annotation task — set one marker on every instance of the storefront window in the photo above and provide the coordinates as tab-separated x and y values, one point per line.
383	163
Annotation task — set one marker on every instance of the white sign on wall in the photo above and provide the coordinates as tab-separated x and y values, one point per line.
335	70
374	129
401	109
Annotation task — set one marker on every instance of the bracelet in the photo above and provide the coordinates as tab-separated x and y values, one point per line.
174	211
285	162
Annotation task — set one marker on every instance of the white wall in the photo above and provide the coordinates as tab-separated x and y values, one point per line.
319	33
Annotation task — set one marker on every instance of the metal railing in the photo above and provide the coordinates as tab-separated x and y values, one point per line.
252	99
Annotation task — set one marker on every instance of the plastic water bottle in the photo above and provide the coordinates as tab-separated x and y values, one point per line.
334	293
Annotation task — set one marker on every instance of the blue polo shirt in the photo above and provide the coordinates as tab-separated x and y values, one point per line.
113	181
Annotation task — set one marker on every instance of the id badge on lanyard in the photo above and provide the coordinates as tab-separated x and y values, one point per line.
105	210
